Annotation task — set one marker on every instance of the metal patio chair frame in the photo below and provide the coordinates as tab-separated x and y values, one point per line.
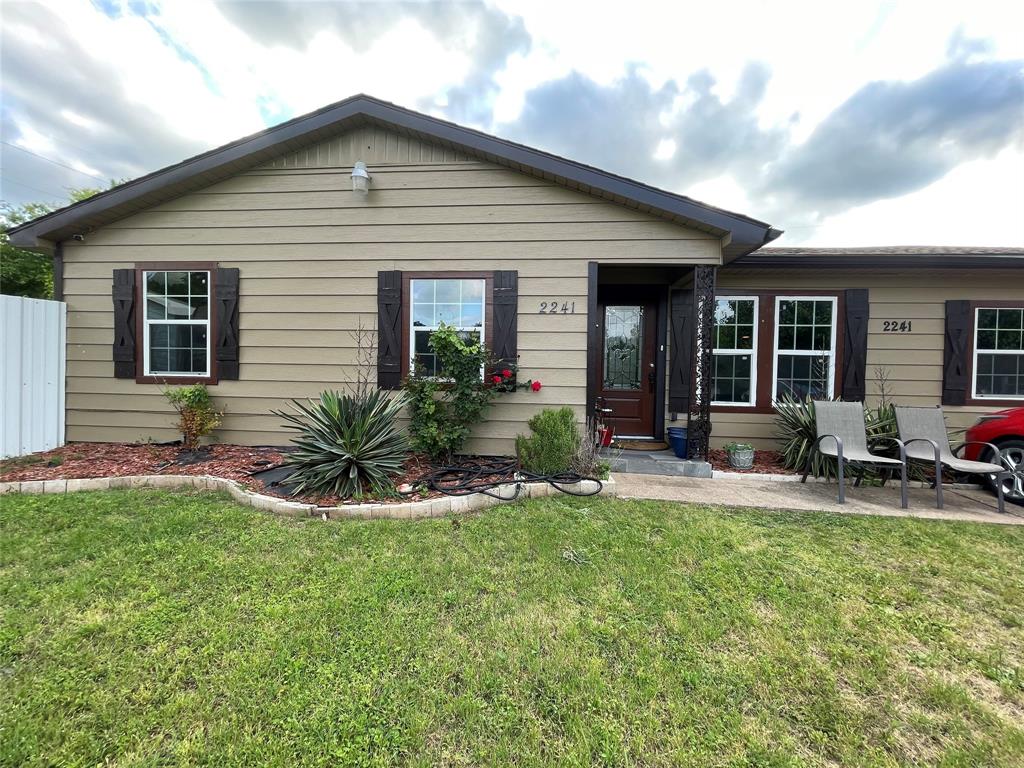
842	433
919	426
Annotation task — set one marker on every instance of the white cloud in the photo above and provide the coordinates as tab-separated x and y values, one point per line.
978	203
208	81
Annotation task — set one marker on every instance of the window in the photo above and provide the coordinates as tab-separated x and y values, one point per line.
176	323
805	346
999	352
734	369
623	329
459	303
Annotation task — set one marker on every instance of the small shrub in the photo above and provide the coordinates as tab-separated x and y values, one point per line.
197	417
734	447
553	445
347	445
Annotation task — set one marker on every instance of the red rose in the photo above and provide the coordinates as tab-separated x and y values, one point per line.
507	373
535	386
496	379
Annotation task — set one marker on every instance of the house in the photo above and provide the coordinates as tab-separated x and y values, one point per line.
250	266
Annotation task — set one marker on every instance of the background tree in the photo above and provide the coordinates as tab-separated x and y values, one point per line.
26	273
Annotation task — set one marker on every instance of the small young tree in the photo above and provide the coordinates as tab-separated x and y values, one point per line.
197	417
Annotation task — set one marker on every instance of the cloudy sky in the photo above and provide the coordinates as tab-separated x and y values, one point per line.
853	123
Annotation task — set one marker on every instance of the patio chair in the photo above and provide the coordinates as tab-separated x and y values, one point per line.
843	434
923	432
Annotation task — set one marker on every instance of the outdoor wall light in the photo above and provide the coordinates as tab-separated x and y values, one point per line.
360	179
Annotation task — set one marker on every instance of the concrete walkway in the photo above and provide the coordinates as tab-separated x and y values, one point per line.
973	505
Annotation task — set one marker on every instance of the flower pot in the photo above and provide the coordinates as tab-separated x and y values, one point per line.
741	459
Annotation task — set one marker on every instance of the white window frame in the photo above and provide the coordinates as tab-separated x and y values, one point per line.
807	353
752	352
146	322
974	360
413	328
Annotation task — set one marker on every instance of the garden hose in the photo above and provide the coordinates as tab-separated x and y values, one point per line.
487	476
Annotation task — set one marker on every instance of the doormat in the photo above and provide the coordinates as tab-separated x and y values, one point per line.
640	445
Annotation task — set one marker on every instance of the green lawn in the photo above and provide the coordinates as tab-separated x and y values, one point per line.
164	628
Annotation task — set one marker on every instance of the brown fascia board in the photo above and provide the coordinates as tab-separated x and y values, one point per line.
741	234
763	260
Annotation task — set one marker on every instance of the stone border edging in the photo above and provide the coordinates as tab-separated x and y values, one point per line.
412	510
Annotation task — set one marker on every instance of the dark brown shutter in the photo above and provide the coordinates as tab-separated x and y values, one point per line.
954	363
389	333
226	288
124	323
680	350
855	344
504	341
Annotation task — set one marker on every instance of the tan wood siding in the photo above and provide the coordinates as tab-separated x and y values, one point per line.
912	361
309	251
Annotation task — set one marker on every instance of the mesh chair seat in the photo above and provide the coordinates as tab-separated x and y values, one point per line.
969	467
837	421
920	427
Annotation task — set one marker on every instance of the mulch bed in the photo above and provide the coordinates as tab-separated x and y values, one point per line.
234	462
765	463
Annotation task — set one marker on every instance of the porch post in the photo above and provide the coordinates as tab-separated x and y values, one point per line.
698	419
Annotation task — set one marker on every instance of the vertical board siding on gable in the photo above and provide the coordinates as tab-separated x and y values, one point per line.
371	144
301	296
912	360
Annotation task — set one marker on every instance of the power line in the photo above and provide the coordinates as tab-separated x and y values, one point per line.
9	180
55	162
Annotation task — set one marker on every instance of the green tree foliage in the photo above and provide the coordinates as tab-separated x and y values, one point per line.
26	273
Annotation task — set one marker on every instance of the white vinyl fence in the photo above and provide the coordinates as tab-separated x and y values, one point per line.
32	381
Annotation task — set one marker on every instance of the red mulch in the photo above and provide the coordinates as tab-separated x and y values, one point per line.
234	462
78	460
765	463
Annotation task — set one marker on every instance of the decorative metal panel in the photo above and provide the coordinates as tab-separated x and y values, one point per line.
699	416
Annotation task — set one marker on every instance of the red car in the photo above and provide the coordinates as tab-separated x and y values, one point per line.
1004	429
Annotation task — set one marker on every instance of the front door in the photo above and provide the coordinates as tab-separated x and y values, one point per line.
627	371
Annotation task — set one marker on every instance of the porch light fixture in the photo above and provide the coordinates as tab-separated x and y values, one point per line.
360	179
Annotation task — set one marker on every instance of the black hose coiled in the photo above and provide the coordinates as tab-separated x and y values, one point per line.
484	477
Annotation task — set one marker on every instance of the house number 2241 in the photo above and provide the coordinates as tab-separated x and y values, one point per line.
897	326
555	308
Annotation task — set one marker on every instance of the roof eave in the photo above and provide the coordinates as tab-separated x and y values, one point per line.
875	261
745	234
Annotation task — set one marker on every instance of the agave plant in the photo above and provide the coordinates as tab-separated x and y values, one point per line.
346	445
797	431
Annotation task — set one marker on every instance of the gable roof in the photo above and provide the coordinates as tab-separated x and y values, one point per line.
742	234
892	256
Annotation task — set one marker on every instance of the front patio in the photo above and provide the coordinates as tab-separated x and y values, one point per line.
962	502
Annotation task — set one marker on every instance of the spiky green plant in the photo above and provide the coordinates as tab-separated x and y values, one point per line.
346	445
796	430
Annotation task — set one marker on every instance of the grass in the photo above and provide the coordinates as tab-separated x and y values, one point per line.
150	628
